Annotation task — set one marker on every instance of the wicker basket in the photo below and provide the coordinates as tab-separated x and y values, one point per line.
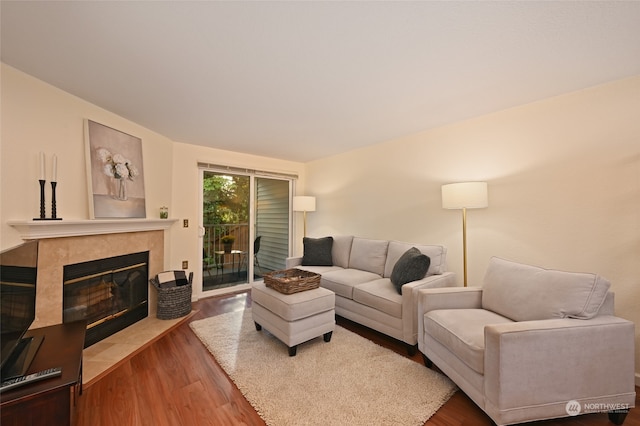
289	281
173	302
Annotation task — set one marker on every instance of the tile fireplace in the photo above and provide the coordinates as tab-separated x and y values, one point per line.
55	254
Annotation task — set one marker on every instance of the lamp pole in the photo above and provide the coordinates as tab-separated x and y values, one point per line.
304	216
464	243
463	196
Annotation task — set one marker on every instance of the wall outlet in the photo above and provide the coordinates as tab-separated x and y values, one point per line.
185	264
185	223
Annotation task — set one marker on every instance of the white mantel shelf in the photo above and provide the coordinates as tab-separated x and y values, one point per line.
38	229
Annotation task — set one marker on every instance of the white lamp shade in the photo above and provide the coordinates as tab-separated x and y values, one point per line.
469	195
304	204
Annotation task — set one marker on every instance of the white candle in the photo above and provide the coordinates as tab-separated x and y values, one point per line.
54	175
42	166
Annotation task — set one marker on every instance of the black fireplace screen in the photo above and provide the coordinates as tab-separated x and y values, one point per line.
110	294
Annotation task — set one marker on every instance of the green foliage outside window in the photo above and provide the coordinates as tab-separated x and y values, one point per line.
225	200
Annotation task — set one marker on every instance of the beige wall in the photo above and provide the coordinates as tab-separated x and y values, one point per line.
564	189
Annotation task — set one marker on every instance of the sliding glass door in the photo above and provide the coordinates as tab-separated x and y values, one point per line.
245	227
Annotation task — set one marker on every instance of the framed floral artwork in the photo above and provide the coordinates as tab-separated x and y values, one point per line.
115	173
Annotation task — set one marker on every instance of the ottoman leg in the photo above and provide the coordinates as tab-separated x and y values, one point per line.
327	336
258	326
293	350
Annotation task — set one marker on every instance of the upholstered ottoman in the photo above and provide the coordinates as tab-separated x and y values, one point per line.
294	318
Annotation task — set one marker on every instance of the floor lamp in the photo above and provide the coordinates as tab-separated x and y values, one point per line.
304	204
465	195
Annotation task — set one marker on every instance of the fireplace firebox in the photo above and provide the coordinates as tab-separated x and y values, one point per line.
110	294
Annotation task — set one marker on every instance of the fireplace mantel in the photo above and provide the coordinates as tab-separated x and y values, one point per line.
38	229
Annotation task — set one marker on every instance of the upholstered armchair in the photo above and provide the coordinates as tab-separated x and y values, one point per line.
531	343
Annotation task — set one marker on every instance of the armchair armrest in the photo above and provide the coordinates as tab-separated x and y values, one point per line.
410	301
430	299
449	298
292	262
564	359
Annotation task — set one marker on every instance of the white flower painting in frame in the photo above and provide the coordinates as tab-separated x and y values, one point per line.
115	173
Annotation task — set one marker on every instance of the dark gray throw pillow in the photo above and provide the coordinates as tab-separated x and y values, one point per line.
412	266
317	251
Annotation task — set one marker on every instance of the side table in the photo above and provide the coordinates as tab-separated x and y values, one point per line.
221	254
53	400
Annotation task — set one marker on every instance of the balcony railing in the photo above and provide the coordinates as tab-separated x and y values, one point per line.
213	237
271	257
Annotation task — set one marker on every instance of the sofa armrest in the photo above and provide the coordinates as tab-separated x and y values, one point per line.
292	262
565	359
410	301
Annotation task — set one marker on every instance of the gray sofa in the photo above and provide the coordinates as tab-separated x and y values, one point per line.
359	276
532	343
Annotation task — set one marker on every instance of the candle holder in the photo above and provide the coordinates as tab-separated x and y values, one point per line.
53	202
42	211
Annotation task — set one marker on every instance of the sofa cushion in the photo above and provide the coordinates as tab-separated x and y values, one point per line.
341	250
368	255
317	251
523	292
437	255
343	281
462	332
411	266
380	295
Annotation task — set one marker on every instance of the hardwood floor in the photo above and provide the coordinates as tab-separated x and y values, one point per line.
175	381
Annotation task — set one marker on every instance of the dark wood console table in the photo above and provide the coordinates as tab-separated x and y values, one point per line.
50	401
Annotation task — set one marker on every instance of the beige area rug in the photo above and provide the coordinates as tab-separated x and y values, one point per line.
348	381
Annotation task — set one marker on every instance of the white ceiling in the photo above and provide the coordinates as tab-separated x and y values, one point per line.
304	80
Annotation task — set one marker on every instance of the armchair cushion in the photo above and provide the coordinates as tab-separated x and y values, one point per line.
524	293
462	332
